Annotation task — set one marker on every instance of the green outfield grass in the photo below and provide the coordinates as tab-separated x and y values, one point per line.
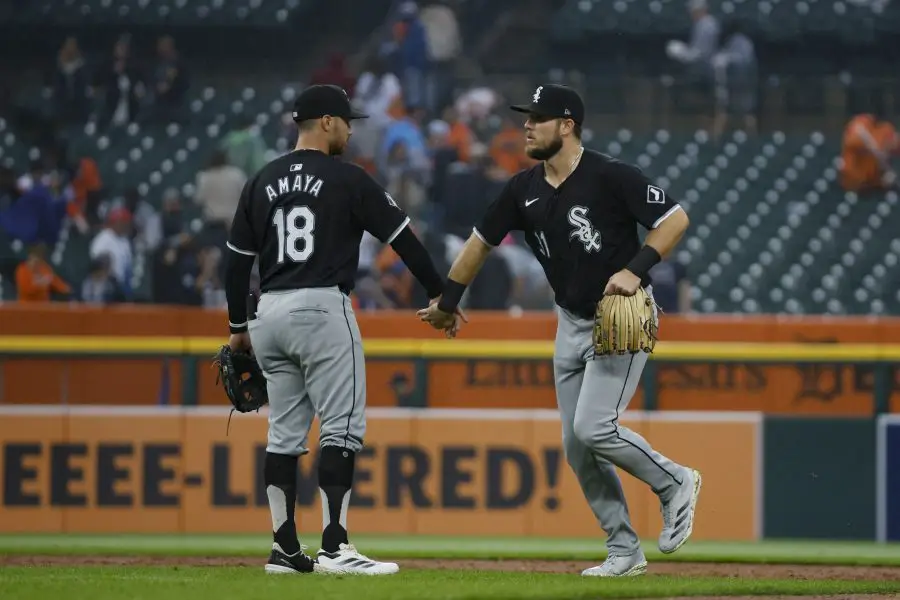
403	546
196	583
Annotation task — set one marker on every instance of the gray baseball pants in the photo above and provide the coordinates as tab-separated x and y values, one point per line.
308	344
592	392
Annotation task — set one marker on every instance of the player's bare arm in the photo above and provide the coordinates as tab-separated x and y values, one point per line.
659	243
444	313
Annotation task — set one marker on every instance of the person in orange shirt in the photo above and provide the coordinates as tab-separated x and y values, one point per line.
508	148
460	137
868	146
35	278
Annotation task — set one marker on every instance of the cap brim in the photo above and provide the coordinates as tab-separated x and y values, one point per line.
355	114
523	108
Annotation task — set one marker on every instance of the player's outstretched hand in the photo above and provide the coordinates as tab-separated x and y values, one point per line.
623	283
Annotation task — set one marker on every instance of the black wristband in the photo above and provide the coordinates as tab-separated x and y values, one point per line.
643	261
451	296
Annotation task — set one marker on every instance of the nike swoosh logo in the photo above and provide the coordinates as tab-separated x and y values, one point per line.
532	201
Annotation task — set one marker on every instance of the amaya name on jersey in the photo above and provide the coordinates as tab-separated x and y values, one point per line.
309	184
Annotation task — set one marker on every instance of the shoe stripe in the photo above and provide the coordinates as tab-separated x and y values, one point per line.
681	520
357	562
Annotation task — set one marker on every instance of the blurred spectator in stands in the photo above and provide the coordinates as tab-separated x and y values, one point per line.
35	278
530	290
397	283
245	149
70	84
170	81
461	136
443	154
208	282
403	179
696	56
368	294
219	187
147	231
671	287
414	158
114	241
174	231
121	79
736	77
508	147
100	287
376	91
87	188
38	213
444	45
868	146
414	64
476	104
467	189
174	263
335	72
188	274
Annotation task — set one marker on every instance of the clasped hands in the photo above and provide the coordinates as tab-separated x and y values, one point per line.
449	322
623	283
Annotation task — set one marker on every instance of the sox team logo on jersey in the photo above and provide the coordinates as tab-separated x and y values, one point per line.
584	229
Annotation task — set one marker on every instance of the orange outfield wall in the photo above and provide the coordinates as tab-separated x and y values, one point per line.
801	389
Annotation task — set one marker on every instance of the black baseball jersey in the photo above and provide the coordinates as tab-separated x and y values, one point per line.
304	215
582	232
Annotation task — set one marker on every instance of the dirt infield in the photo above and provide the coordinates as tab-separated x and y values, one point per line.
747	571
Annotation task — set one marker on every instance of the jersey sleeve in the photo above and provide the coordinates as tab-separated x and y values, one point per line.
241	238
502	216
648	203
376	210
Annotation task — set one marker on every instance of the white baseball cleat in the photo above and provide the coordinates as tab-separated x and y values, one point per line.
348	561
619	566
678	514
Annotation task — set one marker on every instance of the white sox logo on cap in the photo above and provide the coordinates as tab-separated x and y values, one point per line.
537	94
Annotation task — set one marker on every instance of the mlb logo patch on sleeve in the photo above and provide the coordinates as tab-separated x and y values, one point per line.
655	195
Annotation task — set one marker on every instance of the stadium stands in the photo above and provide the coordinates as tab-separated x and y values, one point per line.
772	230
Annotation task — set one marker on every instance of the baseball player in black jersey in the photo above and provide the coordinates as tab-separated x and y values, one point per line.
579	210
303	215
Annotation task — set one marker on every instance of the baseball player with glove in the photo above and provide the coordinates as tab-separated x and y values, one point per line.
303	215
579	211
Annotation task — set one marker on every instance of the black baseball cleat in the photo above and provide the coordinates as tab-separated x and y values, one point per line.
282	563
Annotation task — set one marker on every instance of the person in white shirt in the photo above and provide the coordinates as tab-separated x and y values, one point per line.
376	91
114	242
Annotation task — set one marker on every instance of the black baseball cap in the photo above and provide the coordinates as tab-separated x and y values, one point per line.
316	101
554	101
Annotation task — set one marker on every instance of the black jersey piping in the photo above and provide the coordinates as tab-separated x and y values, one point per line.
615	424
353	359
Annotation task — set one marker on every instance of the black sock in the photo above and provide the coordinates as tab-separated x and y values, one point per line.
335	480
280	473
